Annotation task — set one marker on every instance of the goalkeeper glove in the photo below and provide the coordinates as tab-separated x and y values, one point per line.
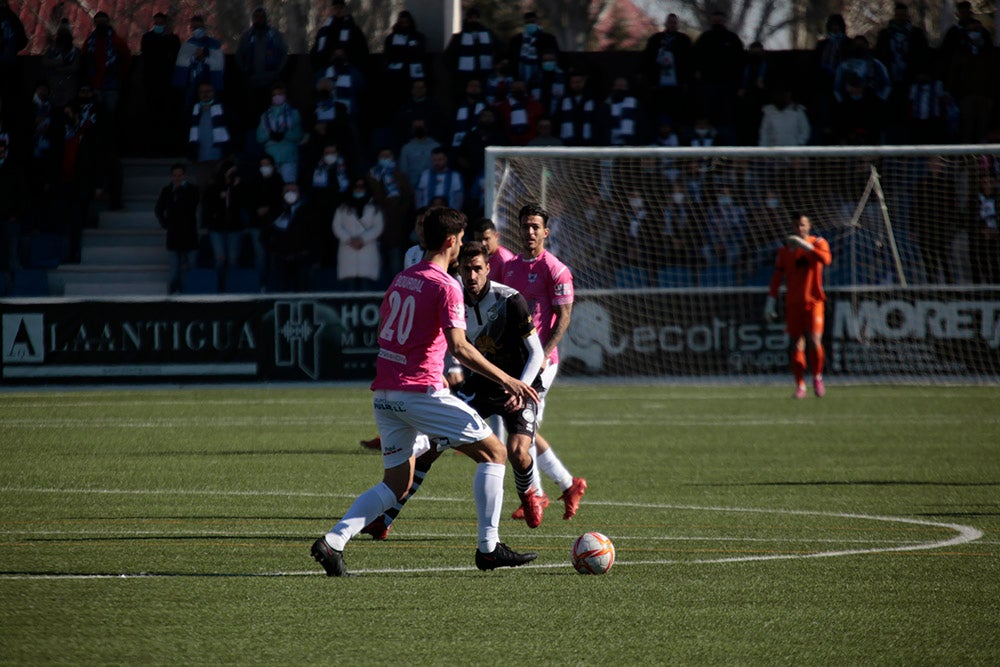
771	309
795	239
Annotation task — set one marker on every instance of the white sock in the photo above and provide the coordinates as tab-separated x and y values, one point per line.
487	489
362	512
536	471
553	467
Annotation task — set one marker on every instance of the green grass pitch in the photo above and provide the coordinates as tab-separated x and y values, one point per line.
173	526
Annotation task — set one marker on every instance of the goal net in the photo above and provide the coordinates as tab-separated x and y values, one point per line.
672	251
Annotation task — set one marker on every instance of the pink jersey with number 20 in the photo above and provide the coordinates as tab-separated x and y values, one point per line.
419	305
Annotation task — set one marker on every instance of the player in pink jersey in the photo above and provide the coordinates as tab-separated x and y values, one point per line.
422	315
547	285
486	233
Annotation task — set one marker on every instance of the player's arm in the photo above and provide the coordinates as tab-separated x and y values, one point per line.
563	313
473	359
536	356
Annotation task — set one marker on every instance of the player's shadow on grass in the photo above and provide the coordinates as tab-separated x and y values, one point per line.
250	452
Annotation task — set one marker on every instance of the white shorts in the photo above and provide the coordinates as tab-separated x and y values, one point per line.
401	416
548	377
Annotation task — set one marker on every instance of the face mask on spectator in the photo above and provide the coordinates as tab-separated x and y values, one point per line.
678	197
278	100
198	33
773	202
387	163
725	200
291	197
329	158
159	29
549	65
266	170
360	194
530	29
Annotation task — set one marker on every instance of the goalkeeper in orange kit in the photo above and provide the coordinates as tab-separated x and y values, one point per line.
800	266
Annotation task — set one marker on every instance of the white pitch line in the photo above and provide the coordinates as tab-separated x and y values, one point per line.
964	534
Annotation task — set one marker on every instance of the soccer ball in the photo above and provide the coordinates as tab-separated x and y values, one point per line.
593	553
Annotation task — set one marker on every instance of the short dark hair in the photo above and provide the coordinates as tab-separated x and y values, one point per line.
178	165
533	208
482	225
440	223
473	249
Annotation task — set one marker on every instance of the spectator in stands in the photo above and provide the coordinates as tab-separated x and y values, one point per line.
858	61
392	192
498	82
578	113
289	240
676	229
200	60
415	156
984	237
933	211
163	108
830	52
725	231
752	95
358	224
718	60
332	123
420	106
928	108
261	54
703	134
280	131
331	181
265	203
550	87
624	122
667	65
404	55
903	48
956	34
13	207
471	158
13	40
972	81
339	31
177	211
527	46
62	60
440	183
472	53
208	136
106	59
223	212
467	112
76	178
784	123
519	112
859	116
545	134
348	82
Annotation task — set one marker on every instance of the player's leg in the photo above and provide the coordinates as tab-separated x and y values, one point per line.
398	438
520	424
817	355
450	423
797	353
546	460
426	456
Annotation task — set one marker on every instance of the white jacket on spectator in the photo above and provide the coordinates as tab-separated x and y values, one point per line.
358	254
788	126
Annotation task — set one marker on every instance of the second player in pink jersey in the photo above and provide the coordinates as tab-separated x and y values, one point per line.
547	286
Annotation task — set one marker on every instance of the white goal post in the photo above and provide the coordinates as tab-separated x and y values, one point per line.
672	250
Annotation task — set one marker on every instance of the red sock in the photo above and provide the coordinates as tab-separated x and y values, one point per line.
799	366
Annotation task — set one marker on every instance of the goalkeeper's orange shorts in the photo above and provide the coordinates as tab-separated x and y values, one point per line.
804	319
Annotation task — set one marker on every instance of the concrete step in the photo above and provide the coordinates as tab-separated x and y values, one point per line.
69	279
116	289
130	218
147	187
124	237
113	255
